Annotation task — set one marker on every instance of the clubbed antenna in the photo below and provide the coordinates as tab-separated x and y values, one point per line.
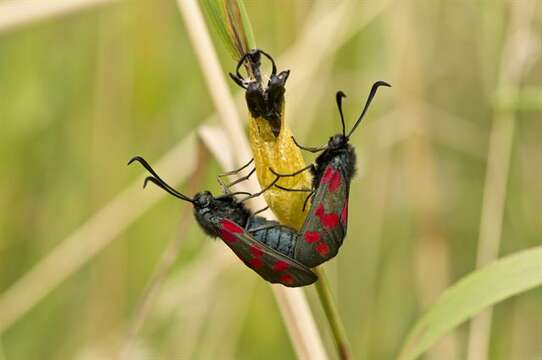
157	180
339	97
372	93
274	66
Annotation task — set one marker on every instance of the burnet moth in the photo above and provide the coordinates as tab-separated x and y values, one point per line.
265	246
324	229
270	137
263	102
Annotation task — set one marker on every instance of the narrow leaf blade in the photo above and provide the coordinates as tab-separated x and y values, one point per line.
214	10
487	286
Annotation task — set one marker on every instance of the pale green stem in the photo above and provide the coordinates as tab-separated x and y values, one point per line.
332	314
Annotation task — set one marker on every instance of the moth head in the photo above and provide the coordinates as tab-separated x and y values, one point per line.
203	199
337	141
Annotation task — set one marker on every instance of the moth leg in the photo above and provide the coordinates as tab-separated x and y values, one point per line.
311	167
242	178
233	193
311	191
260	211
225	187
293	190
233	172
306	200
256	194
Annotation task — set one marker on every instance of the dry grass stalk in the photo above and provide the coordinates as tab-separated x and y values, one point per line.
292	303
37	283
432	251
194	281
514	60
2	353
91	237
168	257
226	320
18	13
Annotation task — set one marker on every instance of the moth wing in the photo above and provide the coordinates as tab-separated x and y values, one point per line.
271	265
325	226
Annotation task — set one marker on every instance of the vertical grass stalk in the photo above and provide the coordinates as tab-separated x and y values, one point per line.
292	303
332	314
230	17
514	59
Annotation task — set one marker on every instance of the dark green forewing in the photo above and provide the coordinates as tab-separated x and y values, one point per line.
325	225
268	263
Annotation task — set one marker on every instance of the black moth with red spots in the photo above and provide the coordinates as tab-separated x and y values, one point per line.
325	227
263	100
276	252
267	247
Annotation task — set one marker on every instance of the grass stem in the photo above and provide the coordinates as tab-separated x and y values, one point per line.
332	314
514	59
292	303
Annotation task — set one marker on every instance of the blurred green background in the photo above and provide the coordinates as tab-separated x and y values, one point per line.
83	92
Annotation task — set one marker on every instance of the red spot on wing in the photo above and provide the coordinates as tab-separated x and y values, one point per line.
256	251
228	229
311	237
331	177
280	266
319	210
335	181
330	220
322	249
227	236
328	174
286	279
344	213
256	263
230	226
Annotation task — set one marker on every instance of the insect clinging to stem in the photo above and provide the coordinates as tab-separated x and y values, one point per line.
325	226
270	137
265	246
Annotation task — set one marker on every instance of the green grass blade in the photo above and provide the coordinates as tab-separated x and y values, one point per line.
487	286
229	19
214	11
245	20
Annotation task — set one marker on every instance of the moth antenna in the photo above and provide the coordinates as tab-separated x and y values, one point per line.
239	64
157	179
309	148
166	188
237	80
372	93
339	98
274	69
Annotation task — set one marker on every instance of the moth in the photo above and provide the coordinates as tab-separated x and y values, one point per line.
265	246
325	226
277	252
270	137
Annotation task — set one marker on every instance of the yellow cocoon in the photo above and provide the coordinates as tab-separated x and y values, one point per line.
282	155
